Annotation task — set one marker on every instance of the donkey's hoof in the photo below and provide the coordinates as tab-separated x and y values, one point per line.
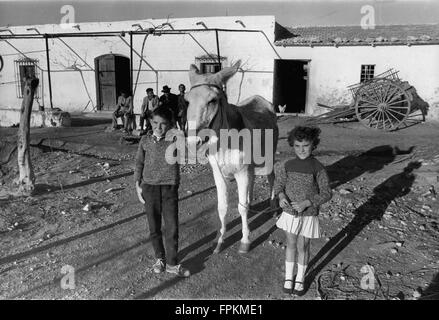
218	248
244	247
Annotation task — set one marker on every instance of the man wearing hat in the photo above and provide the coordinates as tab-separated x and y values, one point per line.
170	101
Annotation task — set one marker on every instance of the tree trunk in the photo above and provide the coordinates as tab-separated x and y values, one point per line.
26	178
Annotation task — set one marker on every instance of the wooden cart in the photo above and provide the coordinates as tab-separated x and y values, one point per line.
382	103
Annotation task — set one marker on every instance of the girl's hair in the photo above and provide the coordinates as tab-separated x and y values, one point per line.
163	112
300	133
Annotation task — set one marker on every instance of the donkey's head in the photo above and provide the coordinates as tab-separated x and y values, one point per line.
206	95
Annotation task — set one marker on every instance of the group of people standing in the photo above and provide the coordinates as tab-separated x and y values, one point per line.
175	103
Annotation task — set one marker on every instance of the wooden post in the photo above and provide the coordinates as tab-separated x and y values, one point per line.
26	178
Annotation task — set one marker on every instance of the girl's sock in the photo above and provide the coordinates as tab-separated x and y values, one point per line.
289	268
301	269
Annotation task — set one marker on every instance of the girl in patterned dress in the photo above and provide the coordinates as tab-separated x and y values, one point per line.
302	185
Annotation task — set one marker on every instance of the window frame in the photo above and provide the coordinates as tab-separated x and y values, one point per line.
367	72
211	60
23	64
213	65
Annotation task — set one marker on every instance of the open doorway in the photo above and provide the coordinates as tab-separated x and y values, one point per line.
112	77
290	85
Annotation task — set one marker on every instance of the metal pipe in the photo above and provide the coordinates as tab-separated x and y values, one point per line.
148	31
33	29
3	30
218	49
199	44
138	54
76	54
143	59
23	54
116	33
48	72
131	62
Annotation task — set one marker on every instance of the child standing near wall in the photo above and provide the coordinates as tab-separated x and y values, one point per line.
157	183
302	185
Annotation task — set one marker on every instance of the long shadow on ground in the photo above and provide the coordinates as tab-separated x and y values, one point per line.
397	185
371	161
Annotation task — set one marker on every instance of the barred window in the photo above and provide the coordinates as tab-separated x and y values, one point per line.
209	63
210	67
25	68
367	72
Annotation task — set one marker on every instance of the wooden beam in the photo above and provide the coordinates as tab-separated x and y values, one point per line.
26	178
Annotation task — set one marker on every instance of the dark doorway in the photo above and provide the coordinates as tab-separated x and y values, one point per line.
112	77
290	83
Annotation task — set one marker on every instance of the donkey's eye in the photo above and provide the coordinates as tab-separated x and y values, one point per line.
213	101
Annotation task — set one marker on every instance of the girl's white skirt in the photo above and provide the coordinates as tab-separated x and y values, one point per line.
306	226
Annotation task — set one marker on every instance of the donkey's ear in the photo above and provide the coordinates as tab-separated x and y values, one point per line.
193	72
225	74
194	68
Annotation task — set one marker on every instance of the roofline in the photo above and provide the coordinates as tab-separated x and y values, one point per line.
118	33
375	44
149	20
357	25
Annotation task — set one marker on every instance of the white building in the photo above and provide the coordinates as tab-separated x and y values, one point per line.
90	63
336	57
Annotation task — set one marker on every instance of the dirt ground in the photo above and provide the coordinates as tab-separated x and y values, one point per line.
383	214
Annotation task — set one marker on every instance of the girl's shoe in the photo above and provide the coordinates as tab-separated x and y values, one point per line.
288	290
299	289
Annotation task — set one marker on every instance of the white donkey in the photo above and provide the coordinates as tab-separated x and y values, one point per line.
208	109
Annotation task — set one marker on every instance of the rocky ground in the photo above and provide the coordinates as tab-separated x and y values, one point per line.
85	217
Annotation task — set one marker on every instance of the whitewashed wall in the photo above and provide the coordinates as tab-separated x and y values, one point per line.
170	55
332	69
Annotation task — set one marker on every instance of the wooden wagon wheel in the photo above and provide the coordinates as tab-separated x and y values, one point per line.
382	104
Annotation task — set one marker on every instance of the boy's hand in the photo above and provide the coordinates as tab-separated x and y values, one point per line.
301	206
139	193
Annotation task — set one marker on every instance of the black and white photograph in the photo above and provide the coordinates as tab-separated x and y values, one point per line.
240	152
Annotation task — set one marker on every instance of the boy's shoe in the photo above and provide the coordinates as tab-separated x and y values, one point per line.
178	270
159	266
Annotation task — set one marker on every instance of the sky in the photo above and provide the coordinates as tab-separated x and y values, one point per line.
287	12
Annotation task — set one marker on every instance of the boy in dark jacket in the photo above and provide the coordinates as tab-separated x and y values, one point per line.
157	183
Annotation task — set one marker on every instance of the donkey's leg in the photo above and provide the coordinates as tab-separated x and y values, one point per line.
273	204
242	180
251	183
270	179
222	194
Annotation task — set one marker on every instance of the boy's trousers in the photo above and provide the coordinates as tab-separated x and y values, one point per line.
161	201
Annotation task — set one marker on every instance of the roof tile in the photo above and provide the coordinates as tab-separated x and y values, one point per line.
355	35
